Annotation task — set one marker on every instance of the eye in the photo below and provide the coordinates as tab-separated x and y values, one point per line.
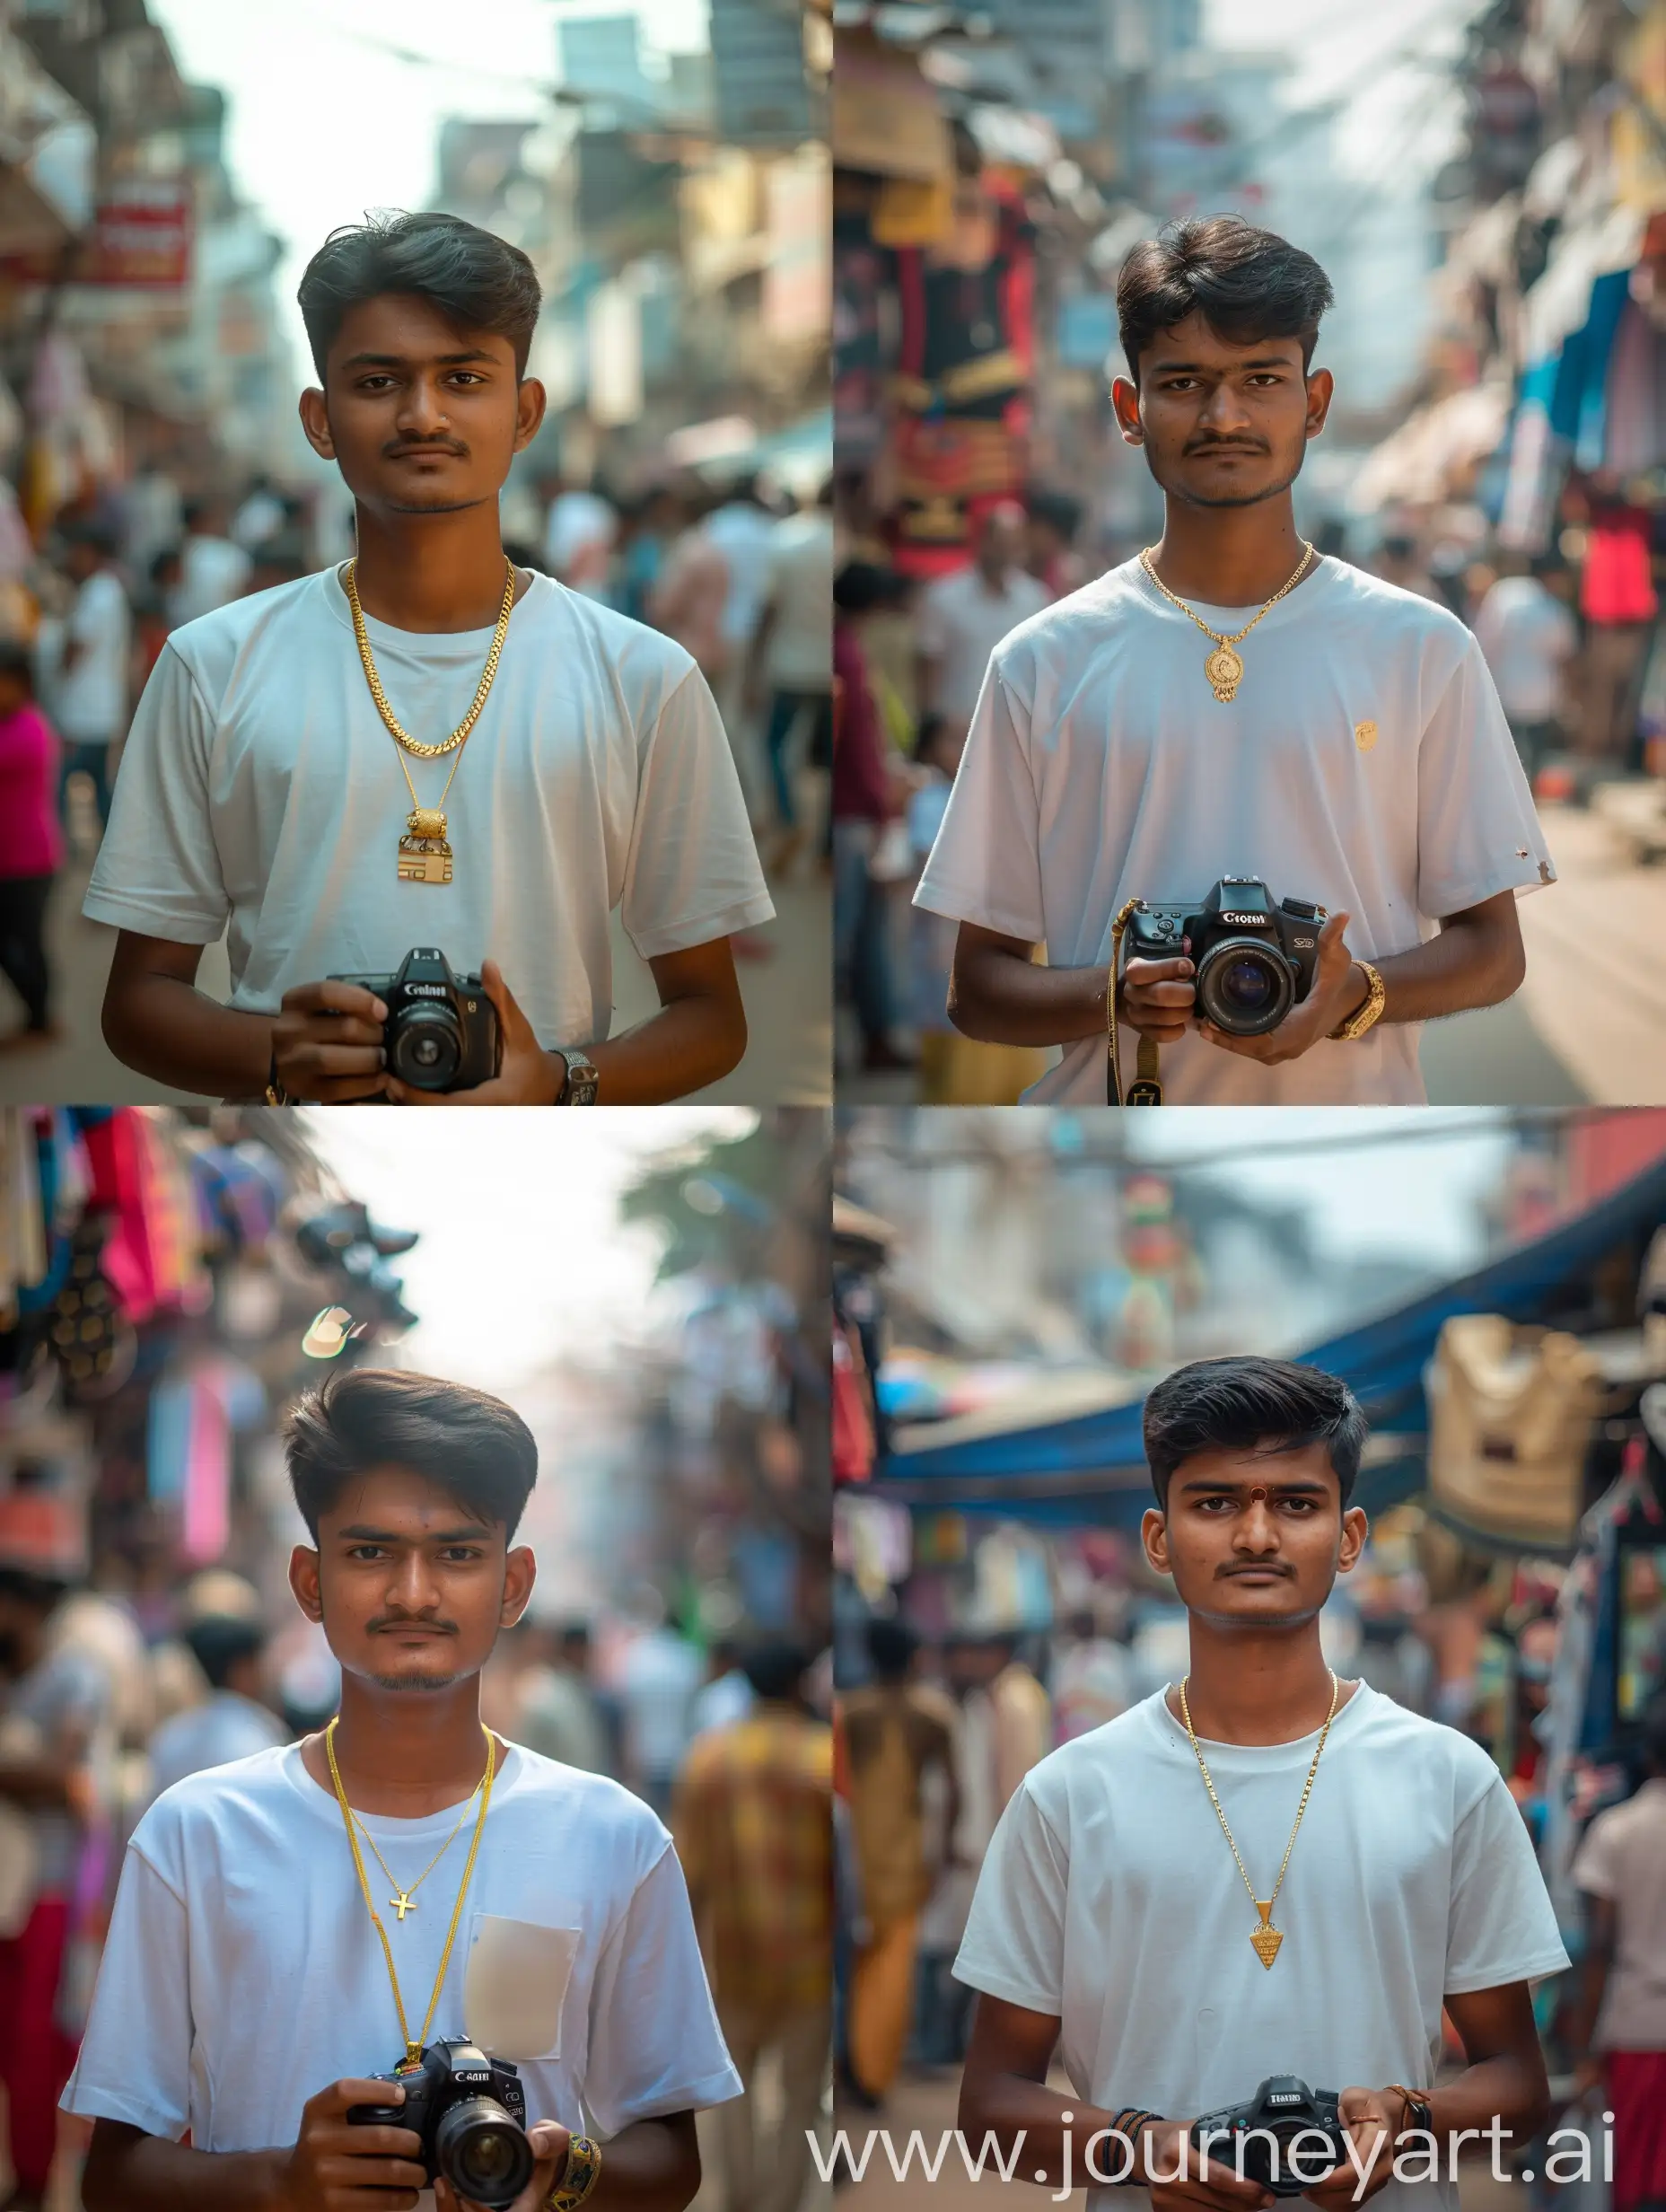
360	1551
462	1552
467	376
373	383
1206	1505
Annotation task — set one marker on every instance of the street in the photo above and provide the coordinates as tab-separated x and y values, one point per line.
1588	1027
787	993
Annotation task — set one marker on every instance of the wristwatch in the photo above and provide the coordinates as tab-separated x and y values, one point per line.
582	1079
276	1094
1369	1013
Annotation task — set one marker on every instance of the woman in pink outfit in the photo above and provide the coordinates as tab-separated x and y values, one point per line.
32	840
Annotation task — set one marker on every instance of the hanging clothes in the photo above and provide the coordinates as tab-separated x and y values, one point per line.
1635	440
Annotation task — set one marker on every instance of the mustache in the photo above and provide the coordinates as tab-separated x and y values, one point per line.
400	1621
423	445
1253	1567
1227	446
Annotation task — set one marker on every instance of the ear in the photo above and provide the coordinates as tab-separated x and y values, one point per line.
1355	1528
304	1580
1154	1537
1125	398
519	1574
315	423
1320	389
530	401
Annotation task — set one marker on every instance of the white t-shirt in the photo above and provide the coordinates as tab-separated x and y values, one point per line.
1108	1899
579	536
801	589
259	788
213	571
1366	764
961	621
1527	634
243	1974
224	1728
92	698
1623	1857
744	533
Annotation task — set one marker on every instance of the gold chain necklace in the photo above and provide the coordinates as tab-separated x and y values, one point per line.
1266	1937
404	1901
413	2051
1223	668
425	856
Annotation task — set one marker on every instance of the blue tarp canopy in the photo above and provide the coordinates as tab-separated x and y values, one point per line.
1090	1470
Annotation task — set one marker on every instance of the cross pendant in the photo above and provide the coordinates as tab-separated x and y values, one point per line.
402	1904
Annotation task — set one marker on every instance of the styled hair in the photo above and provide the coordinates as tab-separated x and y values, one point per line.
892	1647
1246	1404
774	1667
1246	283
475	280
219	1640
474	1447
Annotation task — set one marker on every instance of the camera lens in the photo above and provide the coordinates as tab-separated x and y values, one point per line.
483	2153
426	1045
1244	986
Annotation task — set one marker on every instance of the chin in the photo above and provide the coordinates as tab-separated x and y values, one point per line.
412	1681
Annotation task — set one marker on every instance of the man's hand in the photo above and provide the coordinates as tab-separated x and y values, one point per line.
1373	2118
1337	992
327	1042
1156	998
549	2142
336	2168
1165	2146
527	1075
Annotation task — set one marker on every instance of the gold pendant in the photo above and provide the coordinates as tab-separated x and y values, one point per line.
1266	1937
1225	672
402	1904
424	857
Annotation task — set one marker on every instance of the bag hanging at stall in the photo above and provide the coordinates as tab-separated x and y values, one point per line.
1509	1417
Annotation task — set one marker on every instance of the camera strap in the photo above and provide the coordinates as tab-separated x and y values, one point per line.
413	2051
1146	1090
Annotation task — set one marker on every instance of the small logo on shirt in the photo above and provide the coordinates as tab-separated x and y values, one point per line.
1365	736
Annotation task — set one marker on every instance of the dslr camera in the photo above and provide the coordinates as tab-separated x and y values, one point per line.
1254	959
470	2113
441	1033
1283	2112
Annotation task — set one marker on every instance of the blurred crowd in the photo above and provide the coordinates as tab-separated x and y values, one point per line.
735	570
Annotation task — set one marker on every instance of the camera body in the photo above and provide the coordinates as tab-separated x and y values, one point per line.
470	2112
1255	960
1285	2108
441	1033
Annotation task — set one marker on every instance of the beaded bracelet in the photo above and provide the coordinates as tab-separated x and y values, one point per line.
582	2173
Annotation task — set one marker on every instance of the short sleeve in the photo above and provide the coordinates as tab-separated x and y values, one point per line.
1500	1926
158	869
135	2056
655	2046
692	873
1013	1947
1478	834
1595	1868
984	865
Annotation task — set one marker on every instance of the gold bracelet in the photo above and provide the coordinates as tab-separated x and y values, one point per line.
1369	1012
579	2177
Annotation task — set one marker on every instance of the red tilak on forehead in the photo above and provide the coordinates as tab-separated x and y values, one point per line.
1261	1492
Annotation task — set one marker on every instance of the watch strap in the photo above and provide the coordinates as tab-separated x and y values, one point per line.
1369	1013
276	1094
1419	2111
582	1078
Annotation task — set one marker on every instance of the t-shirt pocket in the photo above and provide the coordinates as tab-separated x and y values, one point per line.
515	1985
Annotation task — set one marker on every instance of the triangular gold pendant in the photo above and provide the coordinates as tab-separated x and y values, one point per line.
1266	1937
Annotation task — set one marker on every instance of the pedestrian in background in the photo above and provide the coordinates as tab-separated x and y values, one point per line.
792	661
562	1713
1529	637
752	1821
214	569
90	696
870	789
235	1720
896	1735
31	842
963	617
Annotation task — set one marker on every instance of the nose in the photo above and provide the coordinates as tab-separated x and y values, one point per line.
1224	414
422	410
414	1590
1257	1532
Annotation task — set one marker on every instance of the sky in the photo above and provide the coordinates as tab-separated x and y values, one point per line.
323	125
521	1256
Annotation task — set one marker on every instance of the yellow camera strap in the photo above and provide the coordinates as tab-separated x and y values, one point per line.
1146	1089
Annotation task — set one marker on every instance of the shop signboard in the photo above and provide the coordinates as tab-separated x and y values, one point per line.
757	67
140	238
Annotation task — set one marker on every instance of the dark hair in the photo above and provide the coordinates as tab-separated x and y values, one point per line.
892	1647
1655	1731
40	1593
860	586
475	281
476	1448
91	532
1057	510
774	1667
219	1640
1243	1404
16	660
1245	283
171	556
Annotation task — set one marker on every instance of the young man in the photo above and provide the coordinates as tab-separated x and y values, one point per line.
1141	740
245	1993
1530	637
1261	1870
89	695
234	1720
965	617
263	786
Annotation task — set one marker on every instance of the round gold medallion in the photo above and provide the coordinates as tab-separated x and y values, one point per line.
1224	671
1365	736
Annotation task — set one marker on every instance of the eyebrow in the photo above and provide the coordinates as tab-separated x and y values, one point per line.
363	1535
403	361
1219	1486
1263	361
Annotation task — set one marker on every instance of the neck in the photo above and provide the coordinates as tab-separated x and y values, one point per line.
432	572
1244	1688
405	1752
1229	556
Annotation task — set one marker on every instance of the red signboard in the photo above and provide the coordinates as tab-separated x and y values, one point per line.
140	235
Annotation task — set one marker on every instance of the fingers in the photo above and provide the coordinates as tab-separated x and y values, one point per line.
1333	951
517	1029
1141	973
341	2096
335	998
